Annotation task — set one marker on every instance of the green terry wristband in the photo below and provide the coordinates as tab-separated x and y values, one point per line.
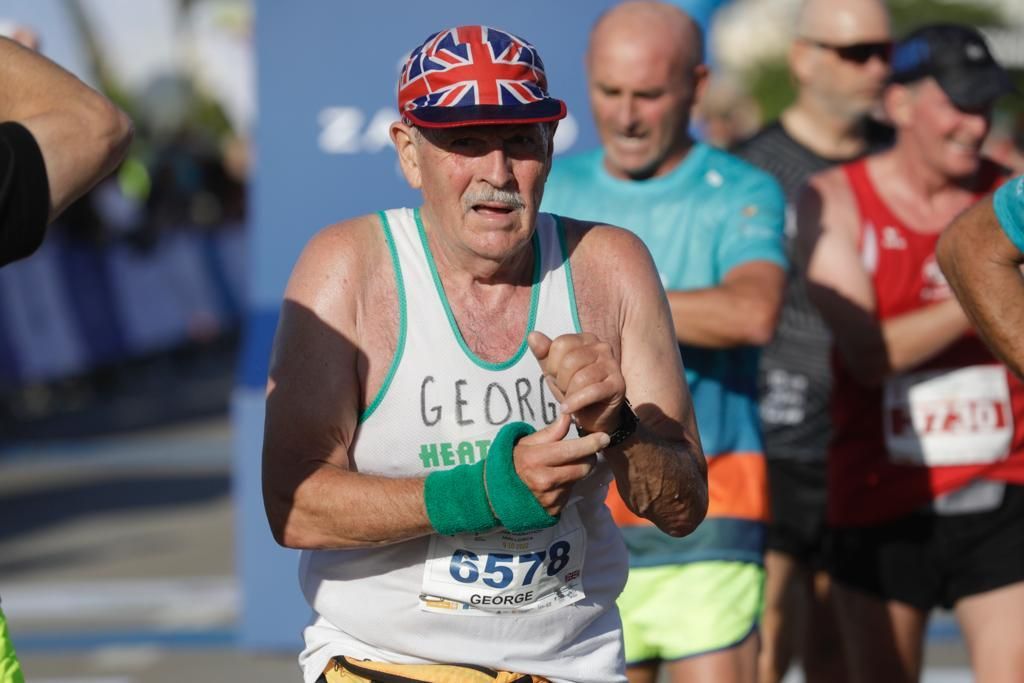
457	500
513	502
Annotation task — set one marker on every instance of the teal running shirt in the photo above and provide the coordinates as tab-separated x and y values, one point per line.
1008	203
710	214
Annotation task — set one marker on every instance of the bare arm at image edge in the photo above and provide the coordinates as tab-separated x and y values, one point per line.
56	124
982	265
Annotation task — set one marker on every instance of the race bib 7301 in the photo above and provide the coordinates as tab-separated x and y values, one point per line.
961	416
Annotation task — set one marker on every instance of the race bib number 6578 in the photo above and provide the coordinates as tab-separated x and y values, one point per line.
502	572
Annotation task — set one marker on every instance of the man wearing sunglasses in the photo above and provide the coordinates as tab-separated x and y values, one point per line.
856	53
926	463
839	63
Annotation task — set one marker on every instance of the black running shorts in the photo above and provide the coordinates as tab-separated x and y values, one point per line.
928	560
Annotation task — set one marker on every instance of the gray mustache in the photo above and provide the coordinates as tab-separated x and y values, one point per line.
511	199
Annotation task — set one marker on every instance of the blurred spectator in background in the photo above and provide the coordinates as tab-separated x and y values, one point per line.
58	137
926	465
981	255
839	61
726	113
714	227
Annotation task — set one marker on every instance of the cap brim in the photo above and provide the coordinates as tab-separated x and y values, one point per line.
485	115
975	88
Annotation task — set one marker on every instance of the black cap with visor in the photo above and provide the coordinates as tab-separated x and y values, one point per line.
959	60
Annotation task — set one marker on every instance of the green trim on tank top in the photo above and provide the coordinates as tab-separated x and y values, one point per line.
534	298
402	320
563	243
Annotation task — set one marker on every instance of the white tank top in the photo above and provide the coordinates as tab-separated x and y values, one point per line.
539	602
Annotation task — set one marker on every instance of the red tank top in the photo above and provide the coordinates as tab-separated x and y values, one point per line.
929	430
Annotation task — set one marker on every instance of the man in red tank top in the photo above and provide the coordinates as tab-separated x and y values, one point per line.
926	465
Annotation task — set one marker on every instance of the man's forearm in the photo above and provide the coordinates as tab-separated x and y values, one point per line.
81	134
662	480
32	84
996	307
333	508
915	337
721	317
873	350
982	265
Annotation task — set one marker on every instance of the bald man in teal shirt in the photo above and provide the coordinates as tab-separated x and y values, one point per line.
714	227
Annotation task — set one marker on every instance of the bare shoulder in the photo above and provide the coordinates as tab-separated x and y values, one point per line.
611	268
340	267
831	179
832	186
340	316
344	285
598	247
827	203
337	250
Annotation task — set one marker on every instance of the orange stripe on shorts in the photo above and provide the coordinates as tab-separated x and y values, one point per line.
737	484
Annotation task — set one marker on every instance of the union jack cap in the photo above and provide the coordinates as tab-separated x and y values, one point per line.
473	75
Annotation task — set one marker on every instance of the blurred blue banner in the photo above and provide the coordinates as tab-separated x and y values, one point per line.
327	75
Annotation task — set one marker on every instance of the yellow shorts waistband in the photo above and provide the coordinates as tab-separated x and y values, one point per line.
346	670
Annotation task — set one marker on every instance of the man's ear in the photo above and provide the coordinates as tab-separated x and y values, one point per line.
802	58
701	78
403	137
899	104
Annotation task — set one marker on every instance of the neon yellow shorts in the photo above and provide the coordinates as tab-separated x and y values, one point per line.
10	670
680	611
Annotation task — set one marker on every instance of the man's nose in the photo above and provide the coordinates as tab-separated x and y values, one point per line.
626	112
497	168
878	66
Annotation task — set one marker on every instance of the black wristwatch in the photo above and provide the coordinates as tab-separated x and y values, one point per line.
628	422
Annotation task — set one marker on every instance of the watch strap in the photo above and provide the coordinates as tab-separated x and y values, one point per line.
628	422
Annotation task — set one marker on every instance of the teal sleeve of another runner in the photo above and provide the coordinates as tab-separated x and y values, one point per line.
1008	203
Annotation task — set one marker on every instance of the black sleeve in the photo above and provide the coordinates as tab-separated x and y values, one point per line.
24	193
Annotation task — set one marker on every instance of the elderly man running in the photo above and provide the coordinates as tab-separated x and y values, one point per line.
431	369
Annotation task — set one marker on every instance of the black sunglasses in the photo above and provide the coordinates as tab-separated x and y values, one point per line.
860	53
